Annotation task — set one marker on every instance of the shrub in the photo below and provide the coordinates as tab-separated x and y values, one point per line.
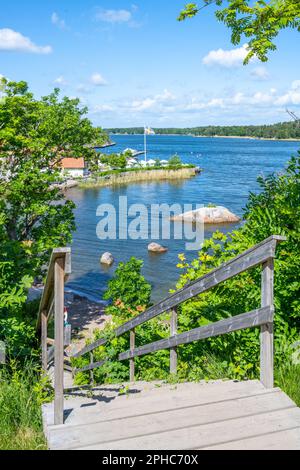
274	211
175	161
128	291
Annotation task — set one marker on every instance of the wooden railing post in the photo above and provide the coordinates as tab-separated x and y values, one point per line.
59	341
173	332
132	346
266	335
44	334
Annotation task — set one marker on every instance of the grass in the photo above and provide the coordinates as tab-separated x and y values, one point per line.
21	396
287	377
96	179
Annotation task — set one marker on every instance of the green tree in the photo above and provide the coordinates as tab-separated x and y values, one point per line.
114	160
101	137
260	21
287	130
175	161
35	135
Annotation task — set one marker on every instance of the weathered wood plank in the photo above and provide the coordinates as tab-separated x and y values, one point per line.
152	423
266	335
92	370
205	435
44	341
246	320
57	253
288	439
249	259
90	347
110	404
132	346
173	332
59	341
147	399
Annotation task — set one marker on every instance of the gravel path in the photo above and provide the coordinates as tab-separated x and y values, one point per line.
85	316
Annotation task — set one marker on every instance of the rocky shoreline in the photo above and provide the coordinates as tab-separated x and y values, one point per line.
84	315
117	179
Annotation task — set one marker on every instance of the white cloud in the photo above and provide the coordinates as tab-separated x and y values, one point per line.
60	81
164	100
228	107
292	96
142	105
230	58
260	73
97	79
114	16
11	40
296	85
57	21
103	108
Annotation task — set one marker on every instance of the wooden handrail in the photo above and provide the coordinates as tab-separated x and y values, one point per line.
252	319
249	259
262	254
47	298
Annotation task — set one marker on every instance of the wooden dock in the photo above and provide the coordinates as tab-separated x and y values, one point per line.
213	415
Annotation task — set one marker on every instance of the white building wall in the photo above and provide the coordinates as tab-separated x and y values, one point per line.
75	172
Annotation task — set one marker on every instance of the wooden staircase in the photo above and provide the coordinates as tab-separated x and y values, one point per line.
213	415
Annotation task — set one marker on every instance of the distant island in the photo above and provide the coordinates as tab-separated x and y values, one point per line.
280	131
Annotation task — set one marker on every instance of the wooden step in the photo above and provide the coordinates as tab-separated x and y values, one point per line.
220	414
283	440
218	433
153	422
106	406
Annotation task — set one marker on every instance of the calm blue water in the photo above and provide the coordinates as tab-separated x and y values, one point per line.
230	170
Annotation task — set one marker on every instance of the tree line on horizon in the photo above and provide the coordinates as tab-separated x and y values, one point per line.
281	130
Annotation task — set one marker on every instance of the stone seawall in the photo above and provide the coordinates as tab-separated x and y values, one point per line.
137	176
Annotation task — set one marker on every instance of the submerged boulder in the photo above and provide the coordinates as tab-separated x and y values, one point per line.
107	259
208	215
157	248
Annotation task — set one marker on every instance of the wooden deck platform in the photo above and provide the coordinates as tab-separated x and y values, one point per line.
214	415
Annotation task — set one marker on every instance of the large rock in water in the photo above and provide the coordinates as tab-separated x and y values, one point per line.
209	215
157	248
107	259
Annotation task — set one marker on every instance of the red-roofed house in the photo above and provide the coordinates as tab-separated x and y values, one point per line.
74	167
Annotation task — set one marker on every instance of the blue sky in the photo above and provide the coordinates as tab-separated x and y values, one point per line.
134	64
